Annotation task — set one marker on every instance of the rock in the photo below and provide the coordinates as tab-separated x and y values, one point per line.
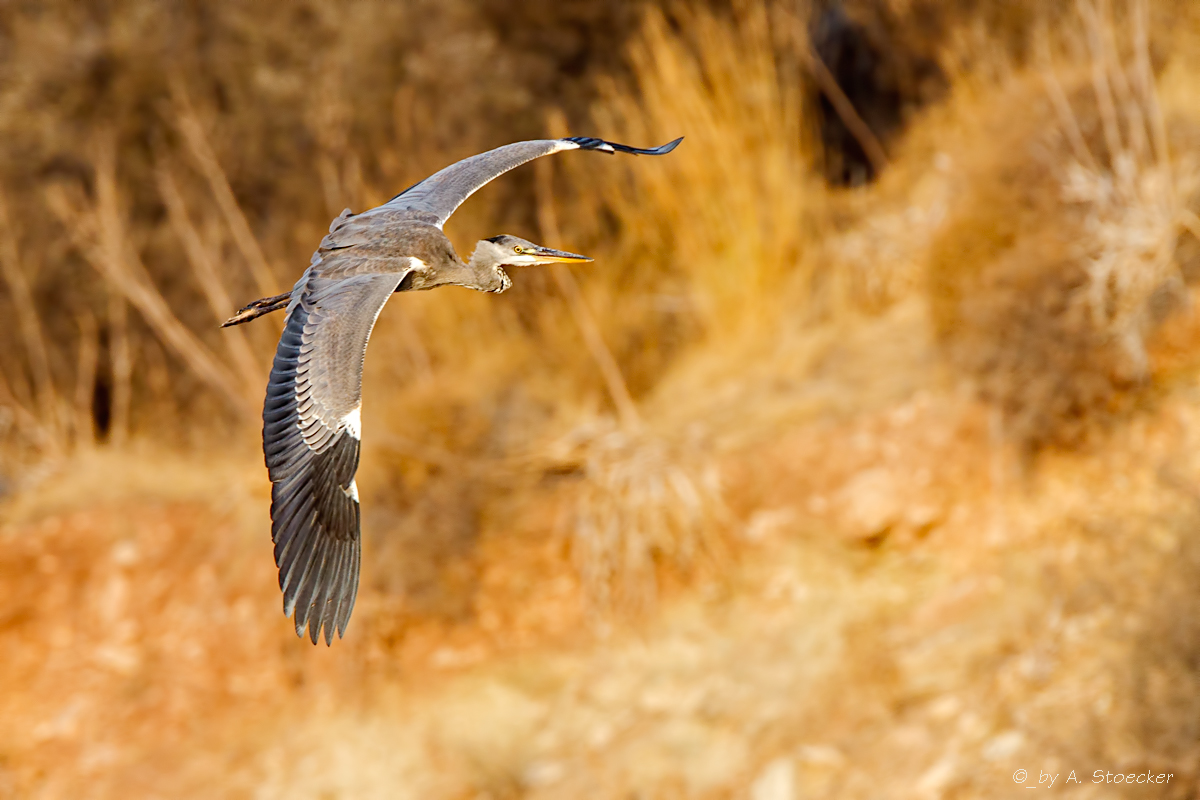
1003	746
933	781
777	781
544	773
768	522
870	504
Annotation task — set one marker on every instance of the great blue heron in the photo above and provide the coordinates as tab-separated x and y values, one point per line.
311	422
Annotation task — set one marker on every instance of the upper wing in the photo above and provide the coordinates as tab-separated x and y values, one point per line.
441	193
311	434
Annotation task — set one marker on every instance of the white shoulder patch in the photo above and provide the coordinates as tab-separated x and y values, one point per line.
353	423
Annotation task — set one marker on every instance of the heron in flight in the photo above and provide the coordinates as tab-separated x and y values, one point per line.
311	416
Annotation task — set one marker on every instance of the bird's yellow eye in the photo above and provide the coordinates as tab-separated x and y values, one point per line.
518	249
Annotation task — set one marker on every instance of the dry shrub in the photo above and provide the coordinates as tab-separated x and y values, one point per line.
1135	203
1046	366
644	503
1046	280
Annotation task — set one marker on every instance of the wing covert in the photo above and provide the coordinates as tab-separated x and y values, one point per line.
444	191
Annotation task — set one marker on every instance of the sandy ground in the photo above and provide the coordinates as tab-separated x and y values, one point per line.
905	610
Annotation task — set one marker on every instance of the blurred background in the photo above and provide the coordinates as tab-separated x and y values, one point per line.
863	462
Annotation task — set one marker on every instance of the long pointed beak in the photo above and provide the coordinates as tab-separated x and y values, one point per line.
546	255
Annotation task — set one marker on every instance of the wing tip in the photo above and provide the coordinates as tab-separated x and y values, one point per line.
668	147
591	143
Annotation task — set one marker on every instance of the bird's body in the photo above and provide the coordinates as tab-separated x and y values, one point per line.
312	413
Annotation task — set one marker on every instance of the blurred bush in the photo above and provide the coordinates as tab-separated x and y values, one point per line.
230	134
902	239
164	164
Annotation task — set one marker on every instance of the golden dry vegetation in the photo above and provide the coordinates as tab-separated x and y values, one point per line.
803	489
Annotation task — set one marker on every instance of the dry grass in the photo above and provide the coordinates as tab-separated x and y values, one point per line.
723	83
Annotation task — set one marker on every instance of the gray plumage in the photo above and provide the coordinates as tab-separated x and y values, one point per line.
444	191
311	416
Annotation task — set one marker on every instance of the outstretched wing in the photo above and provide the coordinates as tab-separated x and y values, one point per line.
441	193
311	437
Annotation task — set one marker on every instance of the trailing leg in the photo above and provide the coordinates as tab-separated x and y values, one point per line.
259	307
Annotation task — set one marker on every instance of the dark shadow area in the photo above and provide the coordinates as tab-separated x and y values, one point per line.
884	72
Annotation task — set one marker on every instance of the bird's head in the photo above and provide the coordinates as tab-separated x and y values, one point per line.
492	255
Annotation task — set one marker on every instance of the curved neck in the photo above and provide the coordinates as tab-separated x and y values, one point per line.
479	273
484	269
479	259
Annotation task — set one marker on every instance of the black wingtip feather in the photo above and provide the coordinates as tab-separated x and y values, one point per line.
590	143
